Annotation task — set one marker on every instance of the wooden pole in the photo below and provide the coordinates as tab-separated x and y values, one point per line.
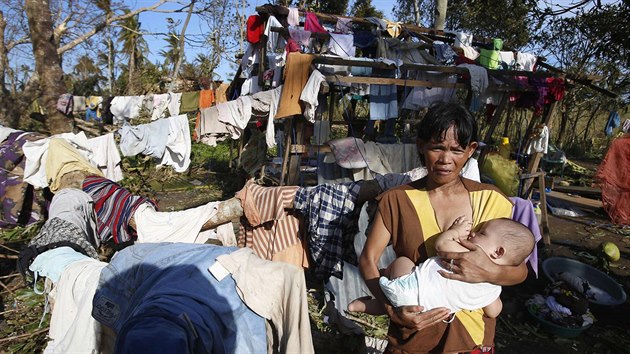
287	148
492	127
537	156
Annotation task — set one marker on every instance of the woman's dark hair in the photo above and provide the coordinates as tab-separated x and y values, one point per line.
442	116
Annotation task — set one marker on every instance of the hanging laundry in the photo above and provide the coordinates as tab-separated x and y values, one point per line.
276	53
310	94
301	37
539	141
296	75
293	18
342	45
311	23
613	122
190	102
126	107
525	61
383	102
210	129
478	78
343	25
329	210
178	145
507	60
78	104
269	225
65	103
221	93
93	111
106	156
393	28
148	139
255	27
206	99
160	104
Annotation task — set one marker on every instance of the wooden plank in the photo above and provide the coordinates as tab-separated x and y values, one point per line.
535	160
303	148
543	209
589	192
492	127
389	81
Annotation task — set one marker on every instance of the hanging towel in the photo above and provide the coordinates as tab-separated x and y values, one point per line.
311	23
613	122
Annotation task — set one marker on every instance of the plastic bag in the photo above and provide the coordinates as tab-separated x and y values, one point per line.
504	172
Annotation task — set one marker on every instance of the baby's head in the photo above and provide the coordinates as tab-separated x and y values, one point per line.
507	242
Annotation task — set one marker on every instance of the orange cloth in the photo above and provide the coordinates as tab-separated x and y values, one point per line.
221	93
296	73
206	99
613	176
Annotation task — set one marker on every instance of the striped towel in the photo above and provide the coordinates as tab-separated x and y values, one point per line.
114	206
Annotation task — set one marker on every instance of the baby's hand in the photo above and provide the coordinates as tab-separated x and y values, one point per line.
462	225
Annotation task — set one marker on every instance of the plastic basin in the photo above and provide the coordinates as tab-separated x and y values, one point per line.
595	277
557	329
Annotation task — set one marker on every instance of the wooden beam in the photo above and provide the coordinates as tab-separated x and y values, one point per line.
537	156
389	81
492	127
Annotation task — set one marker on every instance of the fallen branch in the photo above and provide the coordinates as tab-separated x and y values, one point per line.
7	288
8	248
363	322
8	256
26	335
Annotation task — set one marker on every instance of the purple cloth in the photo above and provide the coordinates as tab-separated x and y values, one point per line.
20	203
311	23
523	212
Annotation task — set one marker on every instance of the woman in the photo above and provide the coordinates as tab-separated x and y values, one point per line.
410	215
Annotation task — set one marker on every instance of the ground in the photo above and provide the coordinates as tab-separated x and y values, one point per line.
517	331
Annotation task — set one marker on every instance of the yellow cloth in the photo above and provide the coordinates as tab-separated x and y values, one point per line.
63	158
393	28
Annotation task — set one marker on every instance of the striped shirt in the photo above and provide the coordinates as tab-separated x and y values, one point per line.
269	225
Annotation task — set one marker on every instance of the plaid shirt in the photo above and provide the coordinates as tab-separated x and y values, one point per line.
330	219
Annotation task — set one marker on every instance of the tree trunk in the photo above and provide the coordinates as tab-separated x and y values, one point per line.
440	14
590	120
47	64
3	56
416	12
182	42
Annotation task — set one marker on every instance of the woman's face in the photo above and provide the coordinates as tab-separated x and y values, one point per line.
445	159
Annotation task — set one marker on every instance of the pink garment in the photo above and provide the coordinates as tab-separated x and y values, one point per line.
349	152
293	19
311	23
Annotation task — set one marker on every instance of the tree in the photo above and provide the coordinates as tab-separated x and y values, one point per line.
73	24
134	47
47	63
334	7
364	8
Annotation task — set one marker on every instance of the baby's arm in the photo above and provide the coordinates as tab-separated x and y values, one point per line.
494	309
448	241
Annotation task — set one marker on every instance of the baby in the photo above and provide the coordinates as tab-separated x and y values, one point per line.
505	241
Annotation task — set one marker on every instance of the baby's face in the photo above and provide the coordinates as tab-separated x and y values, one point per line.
487	237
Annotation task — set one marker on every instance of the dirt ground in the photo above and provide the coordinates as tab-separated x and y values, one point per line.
517	331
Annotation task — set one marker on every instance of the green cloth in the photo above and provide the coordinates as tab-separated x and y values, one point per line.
190	102
489	59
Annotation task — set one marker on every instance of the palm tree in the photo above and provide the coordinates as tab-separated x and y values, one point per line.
171	52
134	47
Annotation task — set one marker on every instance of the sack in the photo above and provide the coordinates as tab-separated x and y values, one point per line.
65	104
503	172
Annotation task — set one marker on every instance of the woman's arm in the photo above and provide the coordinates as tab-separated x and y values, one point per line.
475	266
407	316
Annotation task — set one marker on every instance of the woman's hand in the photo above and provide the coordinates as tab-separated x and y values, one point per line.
472	267
413	317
